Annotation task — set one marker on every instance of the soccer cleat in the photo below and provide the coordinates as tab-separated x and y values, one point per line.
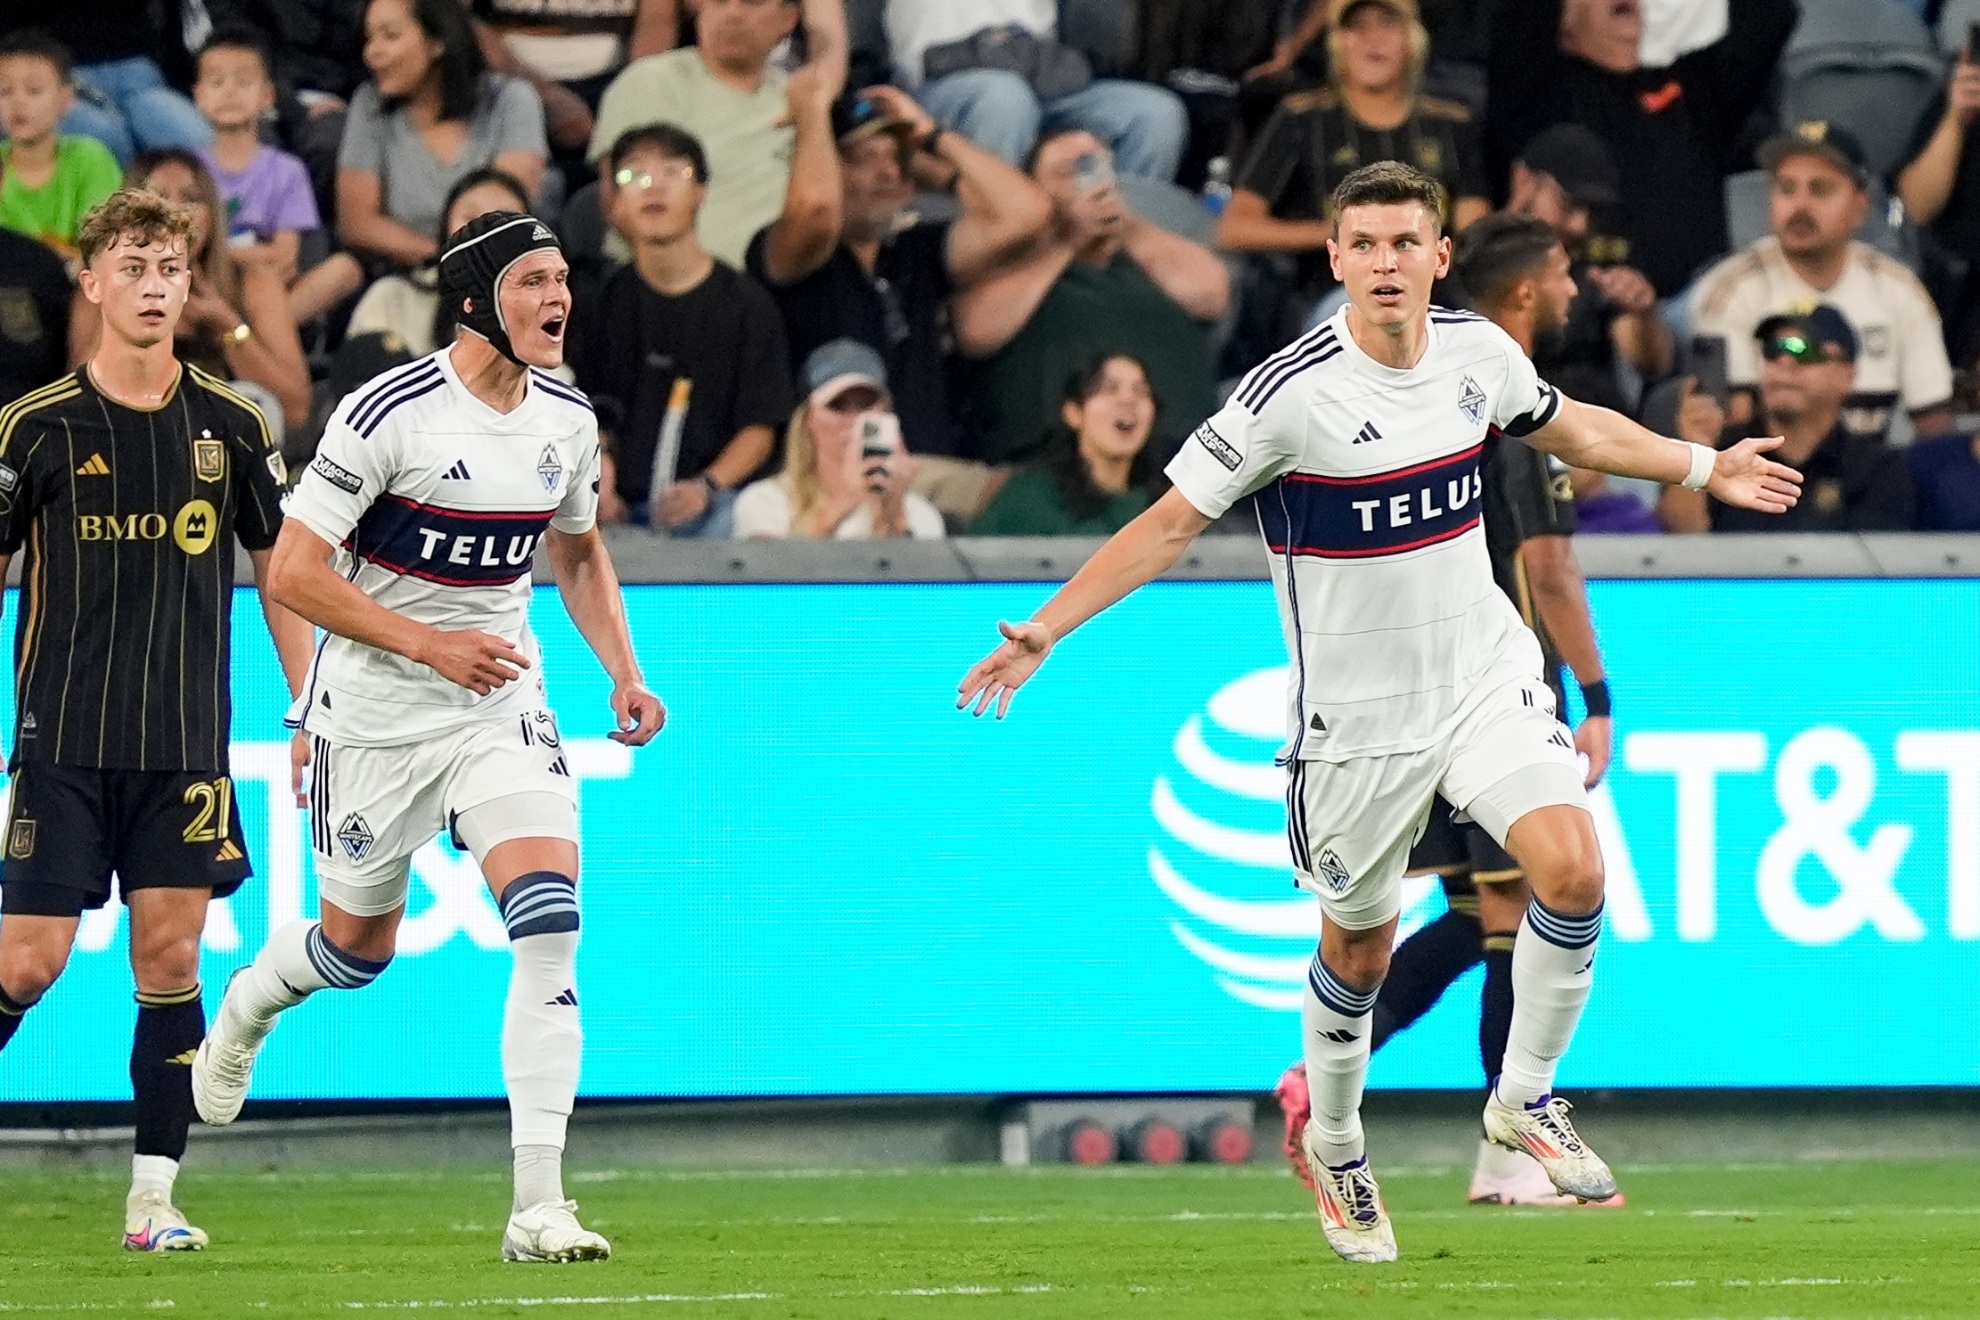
1296	1103
549	1233
153	1223
1544	1131
1512	1177
1351	1214
221	1069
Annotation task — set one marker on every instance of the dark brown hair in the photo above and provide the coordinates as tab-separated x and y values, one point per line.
1498	252
136	214
1390	183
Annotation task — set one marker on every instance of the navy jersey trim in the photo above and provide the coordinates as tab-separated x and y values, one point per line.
1265	380
557	389
403	397
382	387
450	547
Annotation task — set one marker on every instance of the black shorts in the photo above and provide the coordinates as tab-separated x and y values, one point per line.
1469	848
70	828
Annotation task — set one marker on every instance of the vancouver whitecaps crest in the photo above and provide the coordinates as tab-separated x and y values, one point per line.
1221	857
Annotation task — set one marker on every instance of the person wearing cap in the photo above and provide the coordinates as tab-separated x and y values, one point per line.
676	339
849	259
1819	199
1674	129
1371	110
1566	177
1852	482
847	476
726	90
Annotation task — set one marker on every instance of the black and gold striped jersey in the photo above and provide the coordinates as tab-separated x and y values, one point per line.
129	517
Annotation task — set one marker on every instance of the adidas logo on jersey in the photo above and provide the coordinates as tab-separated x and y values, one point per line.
458	472
94	466
1368	433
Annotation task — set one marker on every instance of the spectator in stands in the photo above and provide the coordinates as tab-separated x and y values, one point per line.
569	50
1371	110
677	341
994	71
1104	281
1851	482
1600	508
431	114
265	190
849	259
727	93
846	475
237	324
1814	257
34	312
118	46
1940	187
1947	470
52	178
1093	481
407	307
1676	128
1566	177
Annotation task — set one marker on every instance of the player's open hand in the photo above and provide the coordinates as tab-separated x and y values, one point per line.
478	661
639	713
1745	477
1001	673
1593	741
299	768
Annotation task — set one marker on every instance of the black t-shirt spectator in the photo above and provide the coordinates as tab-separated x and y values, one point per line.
631	345
34	316
1674	131
1580	361
1851	483
105	30
1311	143
900	311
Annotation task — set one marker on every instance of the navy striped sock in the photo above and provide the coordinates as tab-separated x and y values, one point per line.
1336	993
1564	929
540	903
340	968
1553	967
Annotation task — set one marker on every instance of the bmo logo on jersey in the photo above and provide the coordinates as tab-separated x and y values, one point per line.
453	547
1383	513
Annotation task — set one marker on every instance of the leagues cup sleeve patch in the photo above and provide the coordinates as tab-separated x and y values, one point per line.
336	474
277	468
1220	448
8	478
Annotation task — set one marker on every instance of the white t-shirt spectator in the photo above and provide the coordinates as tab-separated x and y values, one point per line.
763	509
1902	358
508	116
1673	29
915	25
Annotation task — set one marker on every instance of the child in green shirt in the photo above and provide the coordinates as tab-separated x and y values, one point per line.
51	180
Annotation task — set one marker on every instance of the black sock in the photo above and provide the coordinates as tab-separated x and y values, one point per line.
11	1013
1422	968
1495	1005
169	1028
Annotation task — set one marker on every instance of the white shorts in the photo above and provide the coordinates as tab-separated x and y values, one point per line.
1352	823
372	808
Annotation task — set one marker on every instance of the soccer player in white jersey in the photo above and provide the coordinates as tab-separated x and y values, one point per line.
409	541
1412	672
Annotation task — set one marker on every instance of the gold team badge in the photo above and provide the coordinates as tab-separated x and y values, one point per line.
195	527
20	840
209	458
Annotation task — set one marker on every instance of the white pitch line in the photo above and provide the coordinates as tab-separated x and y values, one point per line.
642	1299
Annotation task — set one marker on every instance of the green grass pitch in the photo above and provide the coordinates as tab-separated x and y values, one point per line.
985	1243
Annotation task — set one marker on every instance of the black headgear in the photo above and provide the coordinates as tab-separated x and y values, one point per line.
478	255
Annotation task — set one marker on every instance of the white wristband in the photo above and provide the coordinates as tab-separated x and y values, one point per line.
1702	461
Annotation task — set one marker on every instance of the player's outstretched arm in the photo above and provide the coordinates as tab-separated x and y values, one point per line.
590	587
300	578
1140	552
1607	441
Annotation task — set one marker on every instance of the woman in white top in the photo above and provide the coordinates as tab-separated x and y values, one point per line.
846	474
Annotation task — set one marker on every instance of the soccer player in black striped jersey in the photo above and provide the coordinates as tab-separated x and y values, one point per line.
129	481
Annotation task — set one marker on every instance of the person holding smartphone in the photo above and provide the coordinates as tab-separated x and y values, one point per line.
846	476
1940	186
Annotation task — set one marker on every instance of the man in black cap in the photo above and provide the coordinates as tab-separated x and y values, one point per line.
1852	482
849	258
1566	177
1820	197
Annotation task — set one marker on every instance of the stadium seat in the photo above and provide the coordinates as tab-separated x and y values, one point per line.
1955	20
1869	65
1885	227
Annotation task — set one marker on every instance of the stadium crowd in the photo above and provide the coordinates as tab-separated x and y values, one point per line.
866	268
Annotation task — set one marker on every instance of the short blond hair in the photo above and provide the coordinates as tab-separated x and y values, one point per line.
136	214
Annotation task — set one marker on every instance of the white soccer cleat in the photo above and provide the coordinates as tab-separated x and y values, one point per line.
222	1067
1512	1177
1544	1131
549	1233
153	1223
1351	1213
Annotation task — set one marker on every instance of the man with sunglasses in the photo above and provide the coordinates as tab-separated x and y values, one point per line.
1852	482
676	343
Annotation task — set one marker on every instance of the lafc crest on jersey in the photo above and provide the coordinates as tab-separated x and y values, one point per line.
209	458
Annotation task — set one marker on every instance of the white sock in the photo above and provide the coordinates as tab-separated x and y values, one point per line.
1336	1021
542	1040
294	964
539	1175
153	1173
1553	968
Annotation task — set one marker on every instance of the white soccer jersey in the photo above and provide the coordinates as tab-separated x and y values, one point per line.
436	503
1369	500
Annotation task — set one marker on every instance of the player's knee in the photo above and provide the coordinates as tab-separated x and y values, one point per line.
1362	965
1570	881
29	966
165	961
540	903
